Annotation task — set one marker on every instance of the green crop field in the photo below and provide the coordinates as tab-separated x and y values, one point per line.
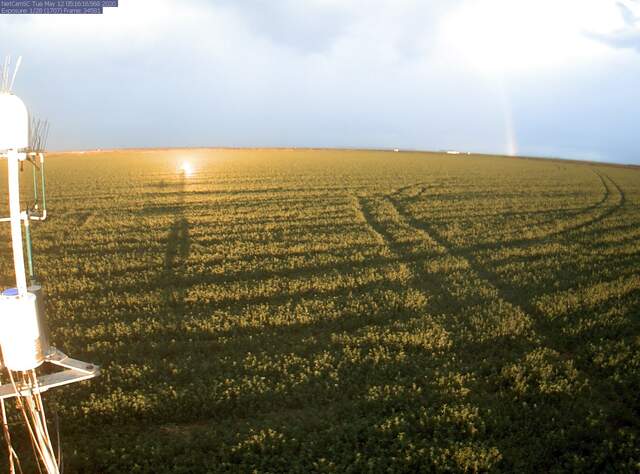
342	311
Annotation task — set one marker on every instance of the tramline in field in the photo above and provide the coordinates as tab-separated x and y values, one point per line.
23	329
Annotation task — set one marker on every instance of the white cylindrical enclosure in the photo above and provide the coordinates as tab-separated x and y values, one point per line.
20	331
14	123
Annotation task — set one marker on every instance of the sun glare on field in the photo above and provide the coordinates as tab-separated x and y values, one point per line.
498	36
186	168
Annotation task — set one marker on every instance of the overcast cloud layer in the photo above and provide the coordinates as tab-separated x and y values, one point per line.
531	77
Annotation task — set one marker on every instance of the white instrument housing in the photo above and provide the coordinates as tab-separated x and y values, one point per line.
20	332
14	123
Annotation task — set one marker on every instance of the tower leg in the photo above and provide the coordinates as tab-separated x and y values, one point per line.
13	157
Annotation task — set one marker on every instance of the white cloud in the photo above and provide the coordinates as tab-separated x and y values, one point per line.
505	36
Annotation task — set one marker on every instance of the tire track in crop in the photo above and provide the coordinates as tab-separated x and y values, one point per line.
79	218
424	227
572	211
605	202
364	213
429	282
412	222
618	198
467	256
605	194
75	222
612	200
243	281
398	250
474	323
482	317
402	253
90	220
543	327
546	336
407	187
605	208
423	189
547	330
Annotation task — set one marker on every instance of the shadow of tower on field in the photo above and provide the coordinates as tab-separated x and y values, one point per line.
176	255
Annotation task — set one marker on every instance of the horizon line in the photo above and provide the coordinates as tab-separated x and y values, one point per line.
452	152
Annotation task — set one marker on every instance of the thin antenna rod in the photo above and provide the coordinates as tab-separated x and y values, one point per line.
5	71
38	134
15	73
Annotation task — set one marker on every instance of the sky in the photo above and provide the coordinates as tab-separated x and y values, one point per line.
530	77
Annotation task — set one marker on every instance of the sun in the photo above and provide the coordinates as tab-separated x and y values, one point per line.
186	168
502	36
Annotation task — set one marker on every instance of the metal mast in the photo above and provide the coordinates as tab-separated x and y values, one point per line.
23	331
